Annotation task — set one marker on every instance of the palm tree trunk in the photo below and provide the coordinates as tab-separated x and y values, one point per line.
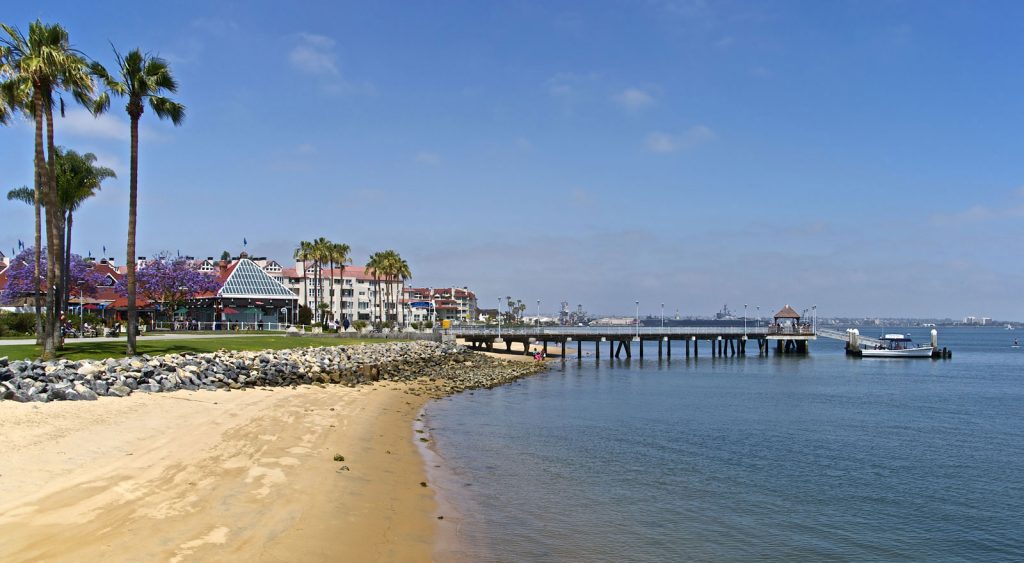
67	259
39	230
133	201
54	245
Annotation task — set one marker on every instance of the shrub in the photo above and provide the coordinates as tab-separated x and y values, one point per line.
17	324
359	325
305	315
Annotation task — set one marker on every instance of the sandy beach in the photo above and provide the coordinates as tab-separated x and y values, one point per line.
196	476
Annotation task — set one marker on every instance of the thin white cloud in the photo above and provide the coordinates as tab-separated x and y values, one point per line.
761	72
978	214
314	54
634	99
81	123
661	142
568	84
77	122
216	26
425	157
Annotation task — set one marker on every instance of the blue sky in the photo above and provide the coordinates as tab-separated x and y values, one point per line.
861	156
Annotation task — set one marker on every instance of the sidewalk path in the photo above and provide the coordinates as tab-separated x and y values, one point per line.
169	336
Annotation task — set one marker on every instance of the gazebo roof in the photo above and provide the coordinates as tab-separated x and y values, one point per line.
787	312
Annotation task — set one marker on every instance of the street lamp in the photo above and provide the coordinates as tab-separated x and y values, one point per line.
744	319
638	319
758	316
814	319
81	308
662	316
538	312
499	318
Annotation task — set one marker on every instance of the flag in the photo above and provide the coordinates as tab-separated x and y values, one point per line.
245	242
104	251
21	245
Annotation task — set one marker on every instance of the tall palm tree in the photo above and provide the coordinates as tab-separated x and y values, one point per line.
45	64
377	264
304	253
340	256
399	270
141	78
321	248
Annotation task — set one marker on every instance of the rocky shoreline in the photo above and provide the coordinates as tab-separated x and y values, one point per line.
437	369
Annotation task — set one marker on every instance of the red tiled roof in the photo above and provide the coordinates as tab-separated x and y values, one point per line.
361	273
122	303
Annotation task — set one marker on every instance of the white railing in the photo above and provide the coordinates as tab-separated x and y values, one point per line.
193	326
616	331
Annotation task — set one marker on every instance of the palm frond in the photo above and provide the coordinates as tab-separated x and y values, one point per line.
23	194
167	109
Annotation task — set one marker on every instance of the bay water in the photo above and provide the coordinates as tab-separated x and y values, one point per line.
817	457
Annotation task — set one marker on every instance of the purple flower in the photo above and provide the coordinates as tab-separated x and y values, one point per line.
21	275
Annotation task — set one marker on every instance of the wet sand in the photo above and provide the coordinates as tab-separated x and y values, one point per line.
197	476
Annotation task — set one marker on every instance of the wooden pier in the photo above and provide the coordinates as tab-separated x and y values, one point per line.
715	342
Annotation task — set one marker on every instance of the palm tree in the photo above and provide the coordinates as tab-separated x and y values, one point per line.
304	253
400	271
377	264
141	78
340	256
44	64
321	250
78	179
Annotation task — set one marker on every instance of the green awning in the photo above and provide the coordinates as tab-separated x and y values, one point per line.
181	311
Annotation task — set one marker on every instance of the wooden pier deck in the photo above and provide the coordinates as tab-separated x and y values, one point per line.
716	341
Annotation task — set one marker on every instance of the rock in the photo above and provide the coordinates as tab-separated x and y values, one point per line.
120	391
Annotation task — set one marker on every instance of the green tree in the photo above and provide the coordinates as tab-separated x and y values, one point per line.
45	64
140	78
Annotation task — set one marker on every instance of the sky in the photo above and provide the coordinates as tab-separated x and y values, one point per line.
861	156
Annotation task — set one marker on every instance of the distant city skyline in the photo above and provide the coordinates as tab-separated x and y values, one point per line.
858	156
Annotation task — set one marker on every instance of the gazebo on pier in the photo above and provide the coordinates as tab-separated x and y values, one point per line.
789	333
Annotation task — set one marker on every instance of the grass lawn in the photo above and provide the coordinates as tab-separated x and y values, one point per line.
82	350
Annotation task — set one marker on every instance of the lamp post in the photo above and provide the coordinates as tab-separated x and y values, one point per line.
81	308
638	319
499	318
744	320
758	316
538	313
663	316
814	319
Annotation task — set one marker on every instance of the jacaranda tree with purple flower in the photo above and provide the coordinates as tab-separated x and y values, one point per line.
169	282
22	282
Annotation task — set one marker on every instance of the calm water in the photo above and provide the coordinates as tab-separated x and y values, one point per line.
821	457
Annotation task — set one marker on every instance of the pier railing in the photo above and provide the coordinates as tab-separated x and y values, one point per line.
568	331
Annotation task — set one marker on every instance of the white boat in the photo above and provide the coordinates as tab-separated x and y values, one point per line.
895	346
